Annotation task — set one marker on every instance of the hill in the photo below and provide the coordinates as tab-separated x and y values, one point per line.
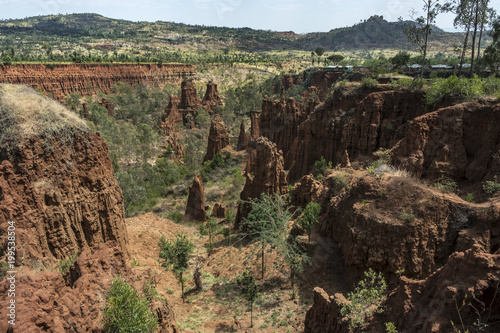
374	33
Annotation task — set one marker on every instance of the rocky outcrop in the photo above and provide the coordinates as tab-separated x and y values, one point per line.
60	80
324	315
211	98
109	106
461	142
463	292
73	302
57	186
242	138
169	121
307	132
218	138
254	125
219	211
393	223
264	173
195	208
189	96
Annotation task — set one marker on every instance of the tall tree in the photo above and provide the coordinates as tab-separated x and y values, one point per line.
492	52
419	32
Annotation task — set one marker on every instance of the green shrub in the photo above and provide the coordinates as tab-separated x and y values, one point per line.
463	89
175	216
4	267
125	311
470	198
365	299
491	187
149	291
407	217
404	83
368	82
310	217
321	166
65	264
445	184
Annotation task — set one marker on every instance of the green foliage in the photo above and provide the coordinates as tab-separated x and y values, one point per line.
491	187
125	311
212	228
365	299
149	291
175	255
335	58
369	83
175	216
267	223
462	89
64	265
310	217
446	184
321	166
404	83
407	217
401	59
390	328
249	290
470	198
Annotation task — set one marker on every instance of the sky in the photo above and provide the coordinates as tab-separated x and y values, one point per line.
300	16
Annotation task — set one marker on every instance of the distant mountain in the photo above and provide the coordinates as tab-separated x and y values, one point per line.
373	33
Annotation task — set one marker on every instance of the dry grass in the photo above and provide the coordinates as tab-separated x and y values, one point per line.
25	113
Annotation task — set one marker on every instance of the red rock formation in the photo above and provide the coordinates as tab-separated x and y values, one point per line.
211	98
59	189
195	208
242	138
465	290
169	121
189	96
60	80
459	141
396	224
109	106
219	211
218	138
51	302
308	132
264	174
309	189
254	125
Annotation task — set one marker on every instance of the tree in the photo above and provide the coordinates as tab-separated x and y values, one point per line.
335	58
310	217
212	228
125	311
319	52
249	290
48	49
267	224
175	255
365	299
492	52
401	59
419	32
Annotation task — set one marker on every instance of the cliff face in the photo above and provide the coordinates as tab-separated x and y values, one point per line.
264	173
393	223
460	141
218	138
88	79
73	302
307	132
58	187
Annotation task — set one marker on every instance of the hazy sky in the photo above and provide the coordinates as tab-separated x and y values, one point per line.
281	15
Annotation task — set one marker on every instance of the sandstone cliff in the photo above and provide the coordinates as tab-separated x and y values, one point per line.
359	124
264	173
60	80
211	98
218	138
56	180
195	208
73	302
461	142
392	223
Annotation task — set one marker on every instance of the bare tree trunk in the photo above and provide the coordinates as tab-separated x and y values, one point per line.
464	49
474	36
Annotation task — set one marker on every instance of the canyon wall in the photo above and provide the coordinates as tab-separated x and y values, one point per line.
60	80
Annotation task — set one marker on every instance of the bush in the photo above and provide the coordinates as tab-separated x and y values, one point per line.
369	83
64	265
310	218
463	89
407	217
445	184
404	83
491	187
321	166
365	299
125	311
